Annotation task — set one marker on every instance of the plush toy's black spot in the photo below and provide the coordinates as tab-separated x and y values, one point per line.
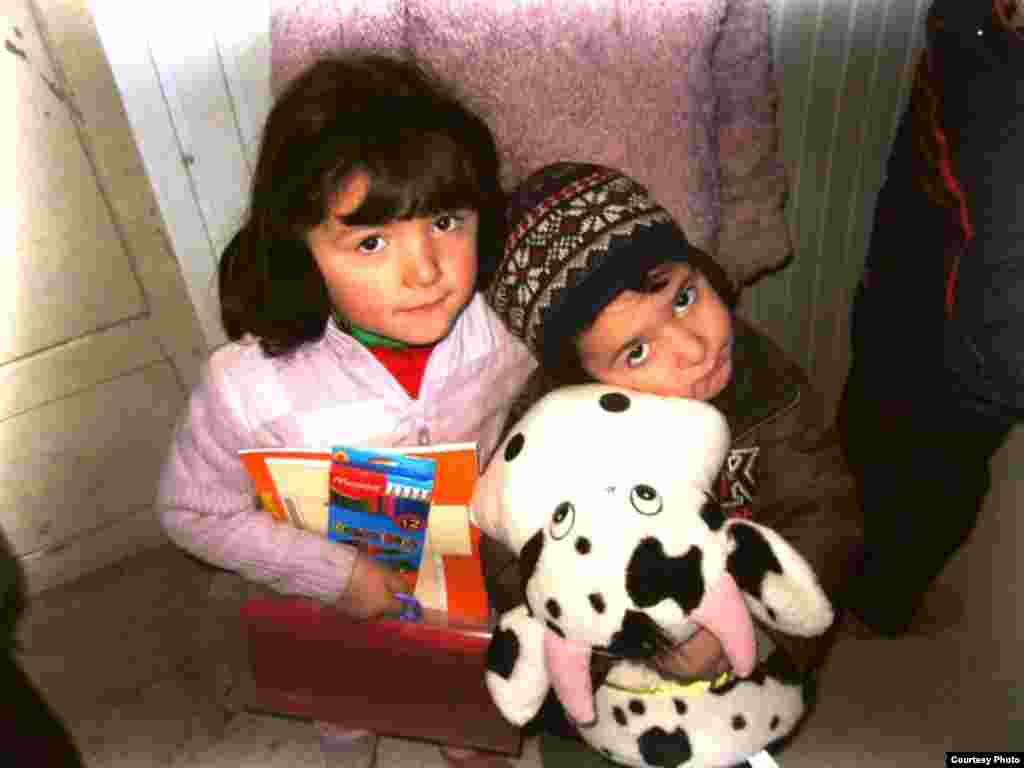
663	749
514	446
651	576
680	706
751	560
739	722
637	707
600	666
597	602
771	613
503	653
620	716
554	609
555	628
528	557
614	402
639	637
774	723
583	545
712	514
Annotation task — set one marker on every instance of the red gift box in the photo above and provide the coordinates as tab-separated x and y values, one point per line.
421	680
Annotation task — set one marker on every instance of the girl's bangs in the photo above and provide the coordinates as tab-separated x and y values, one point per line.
417	175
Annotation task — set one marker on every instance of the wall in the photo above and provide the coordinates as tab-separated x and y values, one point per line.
844	68
101	342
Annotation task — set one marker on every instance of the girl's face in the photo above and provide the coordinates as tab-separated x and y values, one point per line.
675	341
406	279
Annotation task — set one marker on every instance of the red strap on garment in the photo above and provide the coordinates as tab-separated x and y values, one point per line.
966	228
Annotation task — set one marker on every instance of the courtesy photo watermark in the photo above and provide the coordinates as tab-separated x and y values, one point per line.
984	758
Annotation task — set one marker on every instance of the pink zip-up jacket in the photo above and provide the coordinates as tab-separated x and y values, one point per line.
328	392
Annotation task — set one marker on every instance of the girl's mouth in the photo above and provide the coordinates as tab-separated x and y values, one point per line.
426	307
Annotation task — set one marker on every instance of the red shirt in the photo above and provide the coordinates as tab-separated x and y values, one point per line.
405	364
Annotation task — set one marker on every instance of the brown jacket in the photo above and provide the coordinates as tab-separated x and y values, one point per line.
786	471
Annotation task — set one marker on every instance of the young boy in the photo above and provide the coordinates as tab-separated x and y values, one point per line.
601	284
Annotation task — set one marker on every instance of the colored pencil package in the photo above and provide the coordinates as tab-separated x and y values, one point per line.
380	502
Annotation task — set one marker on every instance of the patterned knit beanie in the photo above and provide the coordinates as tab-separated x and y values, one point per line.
578	236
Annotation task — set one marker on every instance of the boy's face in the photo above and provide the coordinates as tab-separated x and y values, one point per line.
675	341
406	279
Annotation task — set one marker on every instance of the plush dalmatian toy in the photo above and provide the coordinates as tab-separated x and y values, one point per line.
606	496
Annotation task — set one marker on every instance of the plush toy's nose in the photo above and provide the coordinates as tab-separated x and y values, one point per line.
652	576
724	613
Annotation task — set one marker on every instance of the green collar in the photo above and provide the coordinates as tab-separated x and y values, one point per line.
367	338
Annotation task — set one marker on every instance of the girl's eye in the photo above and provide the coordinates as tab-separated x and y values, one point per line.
686	298
448	222
638	355
371	244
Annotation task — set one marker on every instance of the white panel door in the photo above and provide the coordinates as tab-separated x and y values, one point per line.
195	79
96	353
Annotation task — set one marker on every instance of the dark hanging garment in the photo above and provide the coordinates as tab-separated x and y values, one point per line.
937	373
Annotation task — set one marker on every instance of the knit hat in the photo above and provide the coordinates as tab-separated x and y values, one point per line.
579	235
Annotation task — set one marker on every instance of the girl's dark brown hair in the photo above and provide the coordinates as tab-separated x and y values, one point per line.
424	153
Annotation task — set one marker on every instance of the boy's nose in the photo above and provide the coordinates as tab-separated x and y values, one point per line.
422	267
691	348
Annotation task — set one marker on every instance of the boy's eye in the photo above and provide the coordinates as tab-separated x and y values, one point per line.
638	355
686	297
371	244
448	222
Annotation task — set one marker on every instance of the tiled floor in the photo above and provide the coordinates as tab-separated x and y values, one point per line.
117	655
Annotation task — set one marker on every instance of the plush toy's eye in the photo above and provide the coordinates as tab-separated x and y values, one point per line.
562	520
645	500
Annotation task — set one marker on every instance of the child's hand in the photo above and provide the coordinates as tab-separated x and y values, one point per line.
371	590
699	658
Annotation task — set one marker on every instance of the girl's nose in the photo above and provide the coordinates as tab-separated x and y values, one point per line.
422	267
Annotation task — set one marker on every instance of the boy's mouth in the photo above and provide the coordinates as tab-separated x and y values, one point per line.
723	359
720	370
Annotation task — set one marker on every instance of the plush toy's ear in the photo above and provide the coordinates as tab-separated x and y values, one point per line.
777	583
517	675
486	508
568	665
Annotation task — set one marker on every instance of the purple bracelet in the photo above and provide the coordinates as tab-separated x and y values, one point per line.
411	608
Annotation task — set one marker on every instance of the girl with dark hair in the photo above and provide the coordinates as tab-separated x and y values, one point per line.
385	119
350	298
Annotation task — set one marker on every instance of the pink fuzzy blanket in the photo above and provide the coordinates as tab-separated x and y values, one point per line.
679	94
